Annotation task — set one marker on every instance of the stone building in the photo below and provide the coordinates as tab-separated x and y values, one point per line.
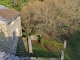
10	29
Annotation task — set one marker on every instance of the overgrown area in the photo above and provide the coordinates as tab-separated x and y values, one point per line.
52	17
47	49
15	4
57	20
73	48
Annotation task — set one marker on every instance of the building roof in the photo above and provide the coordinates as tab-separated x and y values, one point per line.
8	15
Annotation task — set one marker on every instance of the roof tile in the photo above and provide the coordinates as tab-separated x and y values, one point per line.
7	14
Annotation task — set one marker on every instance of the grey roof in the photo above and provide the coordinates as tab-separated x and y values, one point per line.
8	15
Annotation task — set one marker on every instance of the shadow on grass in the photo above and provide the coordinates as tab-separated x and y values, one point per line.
38	51
73	47
45	54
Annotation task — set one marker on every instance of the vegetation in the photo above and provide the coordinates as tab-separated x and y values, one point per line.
73	48
39	51
66	56
58	19
53	44
5	3
47	49
16	4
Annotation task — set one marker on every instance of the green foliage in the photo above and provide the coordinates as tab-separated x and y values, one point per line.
66	56
42	50
56	45
5	3
39	51
23	33
73	48
16	4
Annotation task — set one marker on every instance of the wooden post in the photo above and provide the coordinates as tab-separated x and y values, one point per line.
65	43
30	45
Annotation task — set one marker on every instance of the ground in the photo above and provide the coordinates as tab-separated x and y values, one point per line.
45	48
73	47
42	50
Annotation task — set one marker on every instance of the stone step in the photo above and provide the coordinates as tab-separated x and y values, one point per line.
21	51
41	58
24	58
22	54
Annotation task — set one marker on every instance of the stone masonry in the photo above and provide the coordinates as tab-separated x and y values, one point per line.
10	29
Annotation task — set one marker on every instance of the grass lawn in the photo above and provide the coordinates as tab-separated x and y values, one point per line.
47	49
39	51
73	48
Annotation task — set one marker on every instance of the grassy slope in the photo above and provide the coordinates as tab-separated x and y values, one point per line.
41	52
73	47
47	49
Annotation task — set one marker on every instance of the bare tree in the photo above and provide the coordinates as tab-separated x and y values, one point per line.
50	16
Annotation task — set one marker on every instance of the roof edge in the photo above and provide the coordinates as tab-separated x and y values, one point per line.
10	20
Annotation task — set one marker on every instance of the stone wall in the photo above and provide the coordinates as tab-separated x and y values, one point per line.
11	33
14	30
7	56
4	42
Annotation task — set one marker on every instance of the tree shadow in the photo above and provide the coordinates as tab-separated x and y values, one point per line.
73	46
44	54
39	51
